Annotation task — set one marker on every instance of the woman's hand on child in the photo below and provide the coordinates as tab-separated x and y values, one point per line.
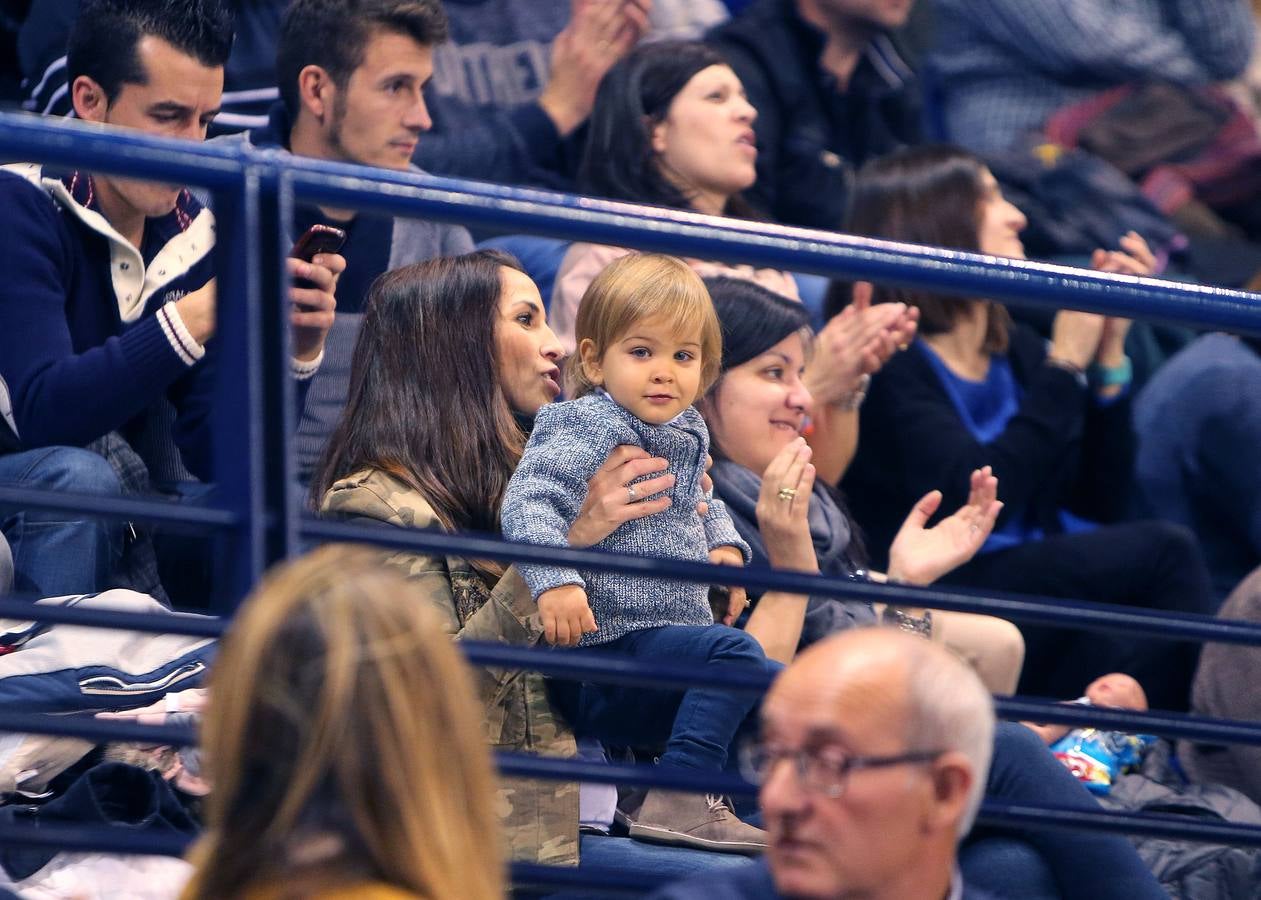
609	503
707	487
921	555
566	615
783	504
737	597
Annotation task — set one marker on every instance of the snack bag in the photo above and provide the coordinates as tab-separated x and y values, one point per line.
1097	757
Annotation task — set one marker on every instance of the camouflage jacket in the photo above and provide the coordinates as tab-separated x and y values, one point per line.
540	818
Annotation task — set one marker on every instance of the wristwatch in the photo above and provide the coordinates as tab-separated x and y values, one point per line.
921	625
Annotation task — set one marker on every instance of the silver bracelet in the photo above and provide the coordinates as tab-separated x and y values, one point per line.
854	398
921	625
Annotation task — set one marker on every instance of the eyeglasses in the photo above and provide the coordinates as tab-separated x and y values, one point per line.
822	771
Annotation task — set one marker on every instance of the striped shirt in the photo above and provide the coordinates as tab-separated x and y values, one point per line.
1006	65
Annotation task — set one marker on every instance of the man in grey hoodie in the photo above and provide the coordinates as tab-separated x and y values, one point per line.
352	75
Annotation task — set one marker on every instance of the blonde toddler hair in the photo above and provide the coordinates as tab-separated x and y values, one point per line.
636	288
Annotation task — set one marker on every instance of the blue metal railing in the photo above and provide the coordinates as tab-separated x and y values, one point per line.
258	512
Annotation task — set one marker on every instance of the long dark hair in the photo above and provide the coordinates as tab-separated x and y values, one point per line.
425	402
633	98
923	195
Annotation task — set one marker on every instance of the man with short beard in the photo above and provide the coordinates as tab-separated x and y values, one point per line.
352	75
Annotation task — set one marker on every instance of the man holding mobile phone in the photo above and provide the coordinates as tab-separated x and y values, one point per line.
352	74
109	297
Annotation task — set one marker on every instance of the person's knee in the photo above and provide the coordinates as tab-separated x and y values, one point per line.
1004	656
75	470
732	644
1177	571
1019	754
1171	541
1009	643
1014	741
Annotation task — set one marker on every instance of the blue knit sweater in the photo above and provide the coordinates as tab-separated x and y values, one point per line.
570	441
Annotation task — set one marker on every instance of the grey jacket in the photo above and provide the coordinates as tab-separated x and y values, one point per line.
570	441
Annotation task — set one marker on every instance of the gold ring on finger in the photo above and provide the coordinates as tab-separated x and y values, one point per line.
787	493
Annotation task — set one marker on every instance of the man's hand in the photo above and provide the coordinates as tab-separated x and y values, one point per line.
197	311
312	303
566	615
599	33
737	597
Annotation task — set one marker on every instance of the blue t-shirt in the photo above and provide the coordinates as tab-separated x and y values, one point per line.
986	406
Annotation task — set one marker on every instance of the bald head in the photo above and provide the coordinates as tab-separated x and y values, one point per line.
869	663
921	724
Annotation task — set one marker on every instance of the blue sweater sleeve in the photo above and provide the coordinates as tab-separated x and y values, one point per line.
549	486
60	393
720	531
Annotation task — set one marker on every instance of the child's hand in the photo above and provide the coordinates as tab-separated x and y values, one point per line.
737	599
566	615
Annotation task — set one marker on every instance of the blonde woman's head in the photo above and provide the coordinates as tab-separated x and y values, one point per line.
342	736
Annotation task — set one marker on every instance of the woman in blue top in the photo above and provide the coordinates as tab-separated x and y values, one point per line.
1052	420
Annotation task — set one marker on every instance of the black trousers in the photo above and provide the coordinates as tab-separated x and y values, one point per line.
1148	565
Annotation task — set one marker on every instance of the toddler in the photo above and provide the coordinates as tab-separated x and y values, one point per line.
648	345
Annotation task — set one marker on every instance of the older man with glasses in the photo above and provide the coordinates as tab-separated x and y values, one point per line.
874	756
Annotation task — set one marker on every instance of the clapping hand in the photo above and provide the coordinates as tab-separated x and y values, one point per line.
857	341
921	555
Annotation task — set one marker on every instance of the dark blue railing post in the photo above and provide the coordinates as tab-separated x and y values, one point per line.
239	408
292	499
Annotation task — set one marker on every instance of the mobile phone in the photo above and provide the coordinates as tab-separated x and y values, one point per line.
318	239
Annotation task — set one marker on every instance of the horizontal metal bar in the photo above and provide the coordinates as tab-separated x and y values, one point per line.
88	838
120	151
613	668
999	814
993	814
1203	729
551	768
99	731
833	255
593	881
122	840
149	623
676	231
1049	611
1052	611
178	516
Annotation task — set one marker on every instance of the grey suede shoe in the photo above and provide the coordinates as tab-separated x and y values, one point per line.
689	820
